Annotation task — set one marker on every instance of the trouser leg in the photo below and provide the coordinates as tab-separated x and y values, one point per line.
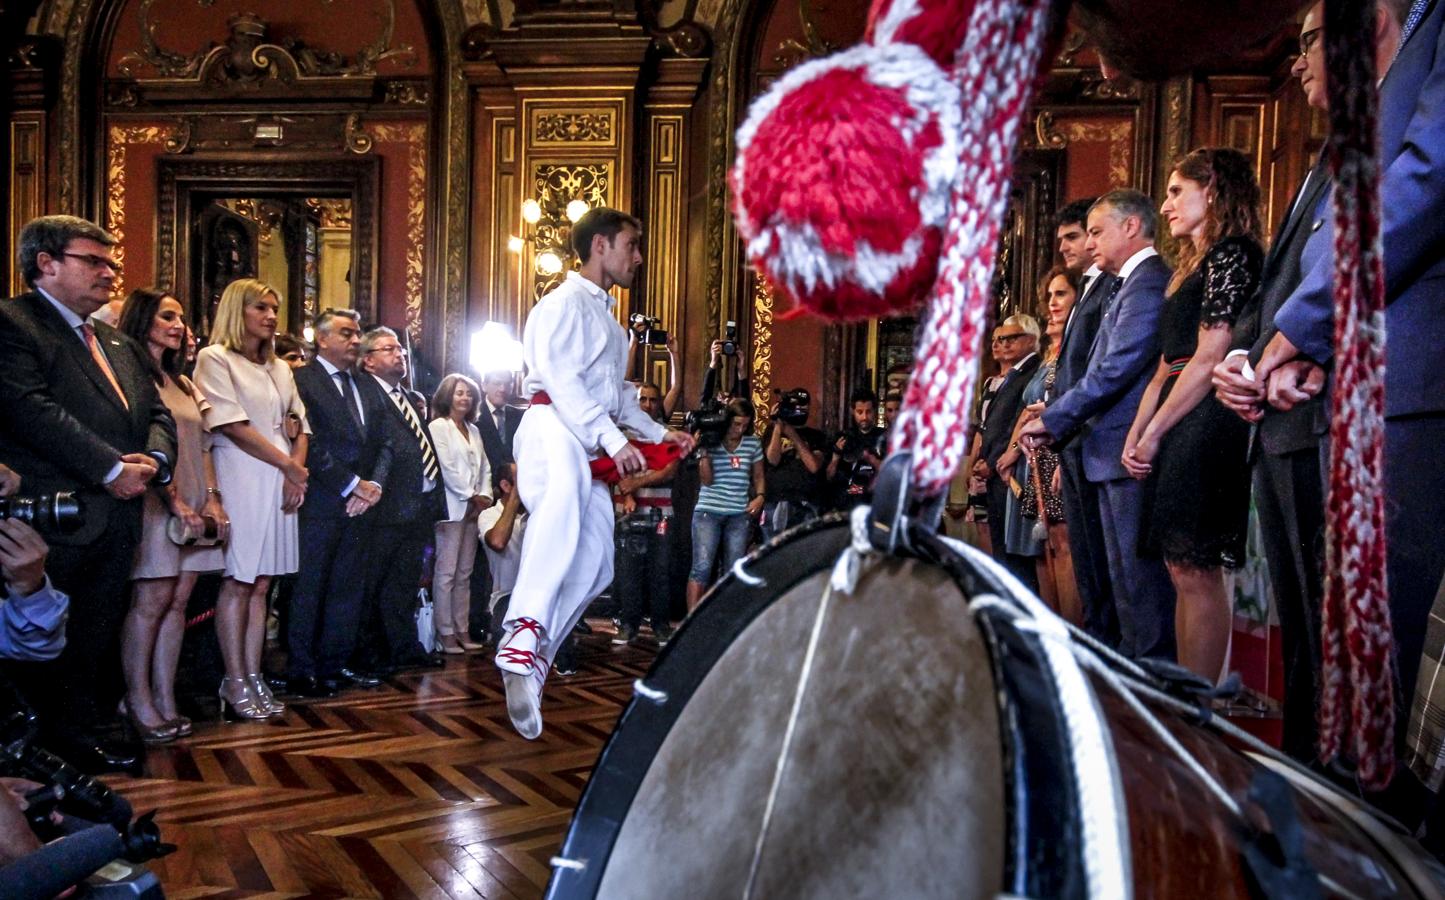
1143	591
1087	549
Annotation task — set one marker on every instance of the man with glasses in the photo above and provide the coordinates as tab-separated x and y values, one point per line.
1015	346
411	502
79	412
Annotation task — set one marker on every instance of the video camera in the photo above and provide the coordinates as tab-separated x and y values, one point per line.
61	513
793	407
647	329
98	827
709	424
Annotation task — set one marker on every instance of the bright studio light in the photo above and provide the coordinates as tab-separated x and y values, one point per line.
576	210
549	263
515	244
531	211
309	334
495	350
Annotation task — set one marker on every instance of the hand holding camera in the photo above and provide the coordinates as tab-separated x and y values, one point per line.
22	557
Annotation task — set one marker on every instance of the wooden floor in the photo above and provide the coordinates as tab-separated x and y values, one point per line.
419	788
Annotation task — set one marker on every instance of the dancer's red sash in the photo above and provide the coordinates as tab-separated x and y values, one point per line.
657	456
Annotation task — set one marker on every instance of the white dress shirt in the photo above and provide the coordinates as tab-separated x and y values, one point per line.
1133	262
577	352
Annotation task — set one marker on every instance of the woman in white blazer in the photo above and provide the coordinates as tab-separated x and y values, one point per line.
468	481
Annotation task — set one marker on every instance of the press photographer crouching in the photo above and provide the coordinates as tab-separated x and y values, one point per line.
644	541
32	617
796	456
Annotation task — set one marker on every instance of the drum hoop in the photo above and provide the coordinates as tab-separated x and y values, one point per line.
661	696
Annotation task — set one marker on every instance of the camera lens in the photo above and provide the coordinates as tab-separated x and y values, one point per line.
56	513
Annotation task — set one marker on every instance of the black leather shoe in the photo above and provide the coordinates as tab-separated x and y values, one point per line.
279	684
96	758
313	688
359	679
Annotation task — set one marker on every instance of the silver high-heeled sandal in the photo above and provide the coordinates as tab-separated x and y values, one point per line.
243	707
262	690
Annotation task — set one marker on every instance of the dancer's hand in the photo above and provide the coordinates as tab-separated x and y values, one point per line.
682	439
629	460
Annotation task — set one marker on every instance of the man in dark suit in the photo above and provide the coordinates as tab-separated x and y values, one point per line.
498	421
1016	341
79	412
1294	350
349	460
1102	406
1080	496
1288	486
411	503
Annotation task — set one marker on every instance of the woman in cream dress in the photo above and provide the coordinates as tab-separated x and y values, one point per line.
259	439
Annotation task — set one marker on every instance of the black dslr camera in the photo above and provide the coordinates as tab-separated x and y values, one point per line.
647	329
730	339
60	513
793	407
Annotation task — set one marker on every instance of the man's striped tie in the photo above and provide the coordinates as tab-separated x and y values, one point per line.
428	458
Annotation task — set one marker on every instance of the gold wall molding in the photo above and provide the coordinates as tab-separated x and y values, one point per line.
577	128
247	55
120	138
664	220
413	135
1118	135
762	366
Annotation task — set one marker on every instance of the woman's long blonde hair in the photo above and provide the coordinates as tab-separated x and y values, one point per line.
1228	179
229	329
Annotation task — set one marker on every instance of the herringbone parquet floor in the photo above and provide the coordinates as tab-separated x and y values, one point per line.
419	788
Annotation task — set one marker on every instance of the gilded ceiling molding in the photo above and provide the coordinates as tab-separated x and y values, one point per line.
246	55
119	140
413	135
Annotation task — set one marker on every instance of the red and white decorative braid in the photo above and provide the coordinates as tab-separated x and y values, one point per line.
995	69
1357	709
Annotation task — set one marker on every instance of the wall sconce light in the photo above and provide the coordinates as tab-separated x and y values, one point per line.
552	238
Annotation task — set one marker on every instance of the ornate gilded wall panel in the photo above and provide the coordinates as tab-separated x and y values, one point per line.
553	186
120	138
664	220
574	127
27	179
762	362
414	136
506	302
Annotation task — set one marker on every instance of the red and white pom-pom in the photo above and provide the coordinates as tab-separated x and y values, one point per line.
843	178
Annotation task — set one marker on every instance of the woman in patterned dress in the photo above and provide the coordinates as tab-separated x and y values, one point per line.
1192	451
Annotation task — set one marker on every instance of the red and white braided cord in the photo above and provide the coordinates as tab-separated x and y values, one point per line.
1357	709
995	69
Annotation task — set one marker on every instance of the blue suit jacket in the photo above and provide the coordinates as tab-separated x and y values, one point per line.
1121	362
1412	198
1079	334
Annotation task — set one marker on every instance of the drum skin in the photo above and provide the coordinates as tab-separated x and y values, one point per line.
802	743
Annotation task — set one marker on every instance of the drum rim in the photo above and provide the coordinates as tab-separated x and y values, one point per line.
679	669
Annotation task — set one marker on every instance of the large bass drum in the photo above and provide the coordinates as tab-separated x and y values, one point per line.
933	733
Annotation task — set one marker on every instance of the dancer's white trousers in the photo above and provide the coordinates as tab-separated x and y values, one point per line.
567	551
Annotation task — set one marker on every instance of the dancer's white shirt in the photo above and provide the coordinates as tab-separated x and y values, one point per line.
577	352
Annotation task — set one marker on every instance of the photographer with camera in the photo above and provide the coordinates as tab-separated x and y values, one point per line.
721	352
733	488
80	412
32	616
645	332
857	453
644	537
796	457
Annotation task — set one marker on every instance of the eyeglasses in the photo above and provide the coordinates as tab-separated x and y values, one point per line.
1008	338
392	349
1308	40
95	262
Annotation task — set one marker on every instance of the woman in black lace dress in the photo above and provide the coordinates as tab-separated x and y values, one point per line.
1191	449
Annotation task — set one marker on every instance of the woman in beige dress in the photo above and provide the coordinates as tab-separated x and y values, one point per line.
165	572
468	481
259	439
